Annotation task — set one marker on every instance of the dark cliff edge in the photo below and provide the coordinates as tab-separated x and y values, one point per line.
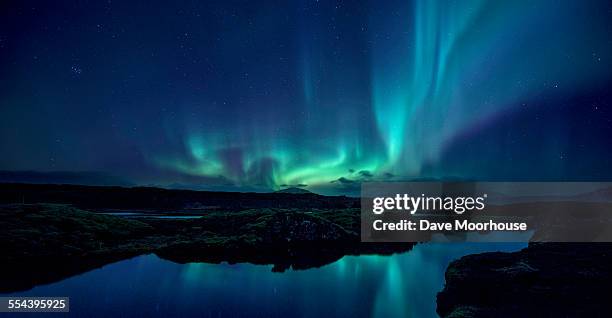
544	279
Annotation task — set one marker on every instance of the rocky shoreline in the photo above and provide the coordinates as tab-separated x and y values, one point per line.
45	243
544	279
49	242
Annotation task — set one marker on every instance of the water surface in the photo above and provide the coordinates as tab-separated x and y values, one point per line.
137	215
401	285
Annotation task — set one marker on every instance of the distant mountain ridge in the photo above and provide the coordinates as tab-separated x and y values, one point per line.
160	199
294	190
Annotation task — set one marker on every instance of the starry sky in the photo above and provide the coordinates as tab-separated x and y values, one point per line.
262	95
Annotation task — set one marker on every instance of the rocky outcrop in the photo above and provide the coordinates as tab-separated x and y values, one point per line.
544	279
298	227
68	241
287	239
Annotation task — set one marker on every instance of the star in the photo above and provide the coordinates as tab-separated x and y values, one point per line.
76	70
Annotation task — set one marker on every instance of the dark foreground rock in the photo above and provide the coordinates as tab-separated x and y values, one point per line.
47	230
544	279
44	243
41	244
287	239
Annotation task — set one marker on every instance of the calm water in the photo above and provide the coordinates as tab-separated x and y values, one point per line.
136	215
403	285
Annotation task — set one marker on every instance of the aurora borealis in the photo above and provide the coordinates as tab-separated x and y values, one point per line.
257	96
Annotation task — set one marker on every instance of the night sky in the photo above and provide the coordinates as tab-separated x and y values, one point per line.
261	95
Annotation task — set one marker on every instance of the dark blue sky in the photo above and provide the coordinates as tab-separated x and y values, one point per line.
260	95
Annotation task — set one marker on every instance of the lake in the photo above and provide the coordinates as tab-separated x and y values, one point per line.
140	215
401	285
